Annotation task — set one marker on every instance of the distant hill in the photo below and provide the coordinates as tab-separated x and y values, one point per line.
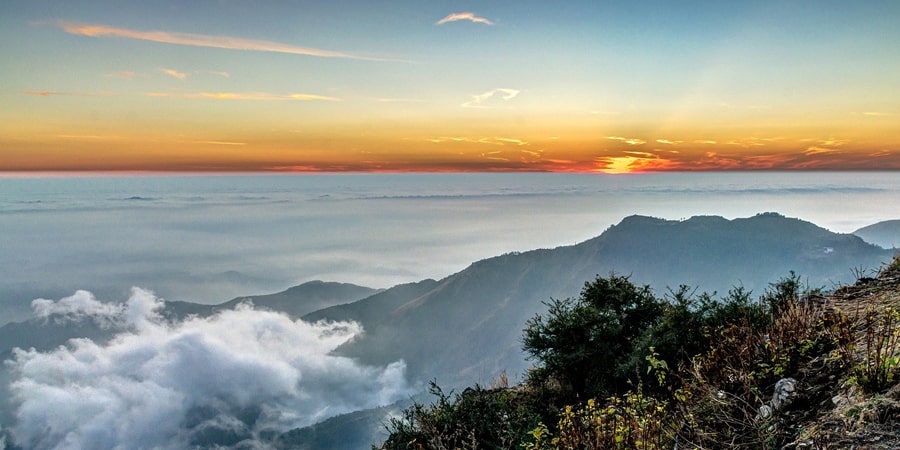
352	431
295	301
885	234
467	327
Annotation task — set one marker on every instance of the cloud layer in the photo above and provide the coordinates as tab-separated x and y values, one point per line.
231	379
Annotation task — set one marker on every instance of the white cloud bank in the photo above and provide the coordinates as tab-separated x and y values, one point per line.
228	380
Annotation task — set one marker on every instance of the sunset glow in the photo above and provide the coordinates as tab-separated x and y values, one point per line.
412	86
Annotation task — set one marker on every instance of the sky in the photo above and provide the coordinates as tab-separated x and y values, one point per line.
579	86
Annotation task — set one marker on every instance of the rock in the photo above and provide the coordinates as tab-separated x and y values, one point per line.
785	393
765	411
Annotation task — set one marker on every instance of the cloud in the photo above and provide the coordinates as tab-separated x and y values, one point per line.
494	156
313	97
453	17
74	94
243	96
668	142
748	142
45	93
203	40
220	73
510	141
479	100
174	73
833	142
98	137
482	140
629	141
816	150
78	307
126	74
227	380
221	143
400	100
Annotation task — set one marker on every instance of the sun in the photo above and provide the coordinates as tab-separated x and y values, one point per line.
618	165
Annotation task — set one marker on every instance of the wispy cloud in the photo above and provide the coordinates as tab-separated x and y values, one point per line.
816	150
399	100
629	141
454	17
503	141
220	73
748	142
668	142
61	93
221	143
203	40
97	137
243	96
494	155
479	100
833	142
875	114
511	141
174	73
314	97
45	93
126	74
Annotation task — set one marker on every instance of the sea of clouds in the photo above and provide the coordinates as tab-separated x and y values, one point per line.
209	239
236	379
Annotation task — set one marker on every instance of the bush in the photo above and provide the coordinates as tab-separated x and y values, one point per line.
477	418
582	344
631	421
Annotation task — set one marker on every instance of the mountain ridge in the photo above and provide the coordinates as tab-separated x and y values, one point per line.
885	233
508	289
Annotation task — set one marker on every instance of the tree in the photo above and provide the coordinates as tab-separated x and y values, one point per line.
583	343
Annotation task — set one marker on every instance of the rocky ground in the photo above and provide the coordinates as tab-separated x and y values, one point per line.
850	397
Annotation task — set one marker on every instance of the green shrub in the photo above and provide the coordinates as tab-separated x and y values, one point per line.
477	418
582	343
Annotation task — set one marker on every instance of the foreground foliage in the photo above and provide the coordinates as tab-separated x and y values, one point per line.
618	368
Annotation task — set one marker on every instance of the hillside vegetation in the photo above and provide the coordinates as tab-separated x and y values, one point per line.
619	368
